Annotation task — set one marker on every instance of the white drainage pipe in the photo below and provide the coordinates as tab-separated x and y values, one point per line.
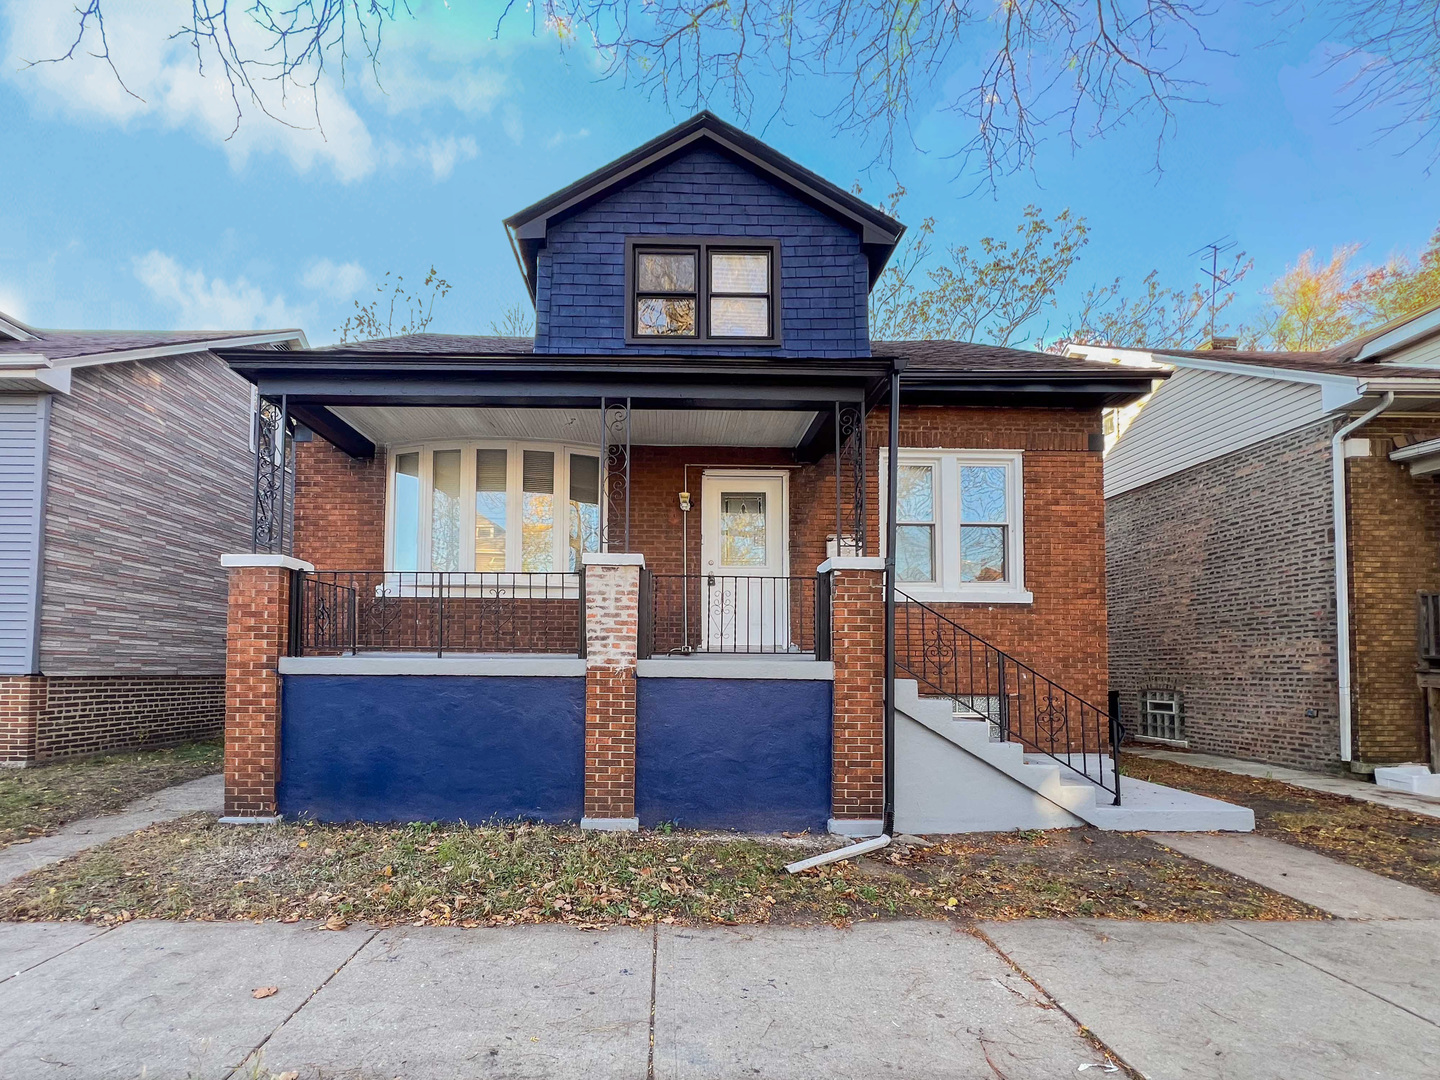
840	854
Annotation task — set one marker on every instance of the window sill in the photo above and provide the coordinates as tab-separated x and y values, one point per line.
932	595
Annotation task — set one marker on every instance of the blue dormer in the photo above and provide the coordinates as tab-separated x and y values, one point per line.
703	241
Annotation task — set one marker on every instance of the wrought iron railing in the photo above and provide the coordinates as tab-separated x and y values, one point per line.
684	614
1427	631
1021	704
338	612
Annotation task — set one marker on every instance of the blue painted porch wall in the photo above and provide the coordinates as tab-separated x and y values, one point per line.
747	754
432	747
580	277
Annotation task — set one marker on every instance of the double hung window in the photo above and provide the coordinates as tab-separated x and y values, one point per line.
959	525
492	507
703	290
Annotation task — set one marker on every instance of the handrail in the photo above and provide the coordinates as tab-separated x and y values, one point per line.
1023	705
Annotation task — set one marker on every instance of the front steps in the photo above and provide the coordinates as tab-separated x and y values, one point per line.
950	776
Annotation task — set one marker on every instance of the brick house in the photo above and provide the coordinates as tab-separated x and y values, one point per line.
125	470
633	570
1224	561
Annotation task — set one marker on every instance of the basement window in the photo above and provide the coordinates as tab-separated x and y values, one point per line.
1162	715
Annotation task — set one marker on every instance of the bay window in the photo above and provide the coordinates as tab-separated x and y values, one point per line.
492	507
959	525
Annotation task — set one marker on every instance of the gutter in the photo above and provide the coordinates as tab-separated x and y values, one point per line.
1339	504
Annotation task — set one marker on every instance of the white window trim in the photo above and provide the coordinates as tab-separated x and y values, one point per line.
514	465
949	589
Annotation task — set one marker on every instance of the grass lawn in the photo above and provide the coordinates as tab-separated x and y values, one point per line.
195	868
39	800
1377	838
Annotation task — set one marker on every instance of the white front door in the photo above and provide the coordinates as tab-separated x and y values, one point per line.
745	561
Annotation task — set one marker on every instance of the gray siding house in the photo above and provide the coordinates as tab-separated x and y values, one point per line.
125	466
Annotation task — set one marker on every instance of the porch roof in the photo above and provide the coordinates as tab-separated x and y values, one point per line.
502	373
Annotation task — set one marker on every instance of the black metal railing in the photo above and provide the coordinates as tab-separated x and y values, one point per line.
1021	704
1427	631
683	614
338	612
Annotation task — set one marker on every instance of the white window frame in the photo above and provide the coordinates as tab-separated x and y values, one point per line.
947	588
514	464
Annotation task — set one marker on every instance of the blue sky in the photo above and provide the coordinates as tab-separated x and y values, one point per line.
122	213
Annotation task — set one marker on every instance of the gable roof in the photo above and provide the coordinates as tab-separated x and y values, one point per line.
878	231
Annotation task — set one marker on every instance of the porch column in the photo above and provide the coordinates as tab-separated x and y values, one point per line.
257	635
857	614
612	626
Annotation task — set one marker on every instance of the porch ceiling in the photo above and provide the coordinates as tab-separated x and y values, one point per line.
397	425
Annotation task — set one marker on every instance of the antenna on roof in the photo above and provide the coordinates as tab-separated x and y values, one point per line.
1219	280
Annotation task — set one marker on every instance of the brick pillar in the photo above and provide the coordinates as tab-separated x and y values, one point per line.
22	700
612	625
857	613
257	635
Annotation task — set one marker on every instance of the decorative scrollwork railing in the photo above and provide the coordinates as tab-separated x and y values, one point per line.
1021	704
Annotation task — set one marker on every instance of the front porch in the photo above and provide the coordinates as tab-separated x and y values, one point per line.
625	593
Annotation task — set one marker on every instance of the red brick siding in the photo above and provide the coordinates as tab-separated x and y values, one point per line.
258	630
22	700
339	508
857	776
1394	534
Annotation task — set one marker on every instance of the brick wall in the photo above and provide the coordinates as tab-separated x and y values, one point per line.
612	599
857	774
1394	534
1062	632
580	276
22	700
258	630
339	508
1221	585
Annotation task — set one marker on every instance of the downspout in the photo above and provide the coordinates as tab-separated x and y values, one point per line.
1342	564
891	507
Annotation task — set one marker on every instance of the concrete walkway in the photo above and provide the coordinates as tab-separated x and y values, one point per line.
206	793
1350	787
1342	890
1234	1001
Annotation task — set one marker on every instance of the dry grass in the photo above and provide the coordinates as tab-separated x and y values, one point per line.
504	874
1376	838
37	801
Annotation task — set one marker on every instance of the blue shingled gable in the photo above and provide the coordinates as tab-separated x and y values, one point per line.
580	274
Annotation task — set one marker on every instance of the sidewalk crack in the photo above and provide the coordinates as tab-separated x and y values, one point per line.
1333	975
308	998
654	967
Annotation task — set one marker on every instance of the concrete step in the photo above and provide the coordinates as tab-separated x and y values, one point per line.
1144	806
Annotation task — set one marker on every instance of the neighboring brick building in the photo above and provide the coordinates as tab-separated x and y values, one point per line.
633	571
1221	552
127	471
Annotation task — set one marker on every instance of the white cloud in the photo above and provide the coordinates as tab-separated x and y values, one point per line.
339	282
169	91
203	303
566	136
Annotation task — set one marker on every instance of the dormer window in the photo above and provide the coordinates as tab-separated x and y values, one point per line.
703	290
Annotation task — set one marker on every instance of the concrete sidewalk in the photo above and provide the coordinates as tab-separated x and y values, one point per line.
918	999
206	793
